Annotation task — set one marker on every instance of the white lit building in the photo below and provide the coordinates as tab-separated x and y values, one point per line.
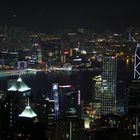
108	89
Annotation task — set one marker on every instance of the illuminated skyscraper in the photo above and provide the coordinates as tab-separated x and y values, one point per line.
56	99
28	112
137	63
39	55
15	101
108	89
134	89
97	95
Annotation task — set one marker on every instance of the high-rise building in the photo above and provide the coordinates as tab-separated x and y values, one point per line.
9	58
14	103
66	101
55	96
134	97
51	52
20	86
134	89
122	96
69	101
39	55
97	95
69	129
109	81
134	94
50	113
137	62
28	125
28	112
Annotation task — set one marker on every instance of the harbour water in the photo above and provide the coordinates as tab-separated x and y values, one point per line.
42	82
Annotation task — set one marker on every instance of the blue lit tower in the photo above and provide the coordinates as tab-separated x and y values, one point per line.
137	62
69	126
66	101
56	99
109	81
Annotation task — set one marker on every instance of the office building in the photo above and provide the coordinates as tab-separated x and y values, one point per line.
9	59
69	129
137	62
20	86
109	81
69	101
28	125
134	97
15	100
134	89
97	95
55	97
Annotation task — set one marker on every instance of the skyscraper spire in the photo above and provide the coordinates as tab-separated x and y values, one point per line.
19	85
28	112
28	102
137	62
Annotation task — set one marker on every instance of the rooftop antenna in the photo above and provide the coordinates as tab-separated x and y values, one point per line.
28	102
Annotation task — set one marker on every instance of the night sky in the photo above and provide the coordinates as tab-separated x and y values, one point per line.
55	15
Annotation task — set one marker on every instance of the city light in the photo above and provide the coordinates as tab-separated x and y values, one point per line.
79	97
65	86
82	82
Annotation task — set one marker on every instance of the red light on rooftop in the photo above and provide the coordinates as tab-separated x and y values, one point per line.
66	53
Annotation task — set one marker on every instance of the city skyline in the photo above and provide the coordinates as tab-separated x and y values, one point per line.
69	70
55	16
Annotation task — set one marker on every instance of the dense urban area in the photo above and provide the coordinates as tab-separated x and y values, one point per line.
112	113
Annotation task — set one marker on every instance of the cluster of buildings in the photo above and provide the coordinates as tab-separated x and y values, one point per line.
26	117
21	49
64	116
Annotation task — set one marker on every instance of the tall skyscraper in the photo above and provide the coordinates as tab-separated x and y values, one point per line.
67	106
55	96
137	62
69	101
97	94
134	97
15	101
28	112
134	89
109	81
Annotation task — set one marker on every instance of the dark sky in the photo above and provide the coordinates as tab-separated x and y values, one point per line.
54	15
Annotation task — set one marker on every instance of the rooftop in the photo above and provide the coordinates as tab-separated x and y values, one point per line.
19	85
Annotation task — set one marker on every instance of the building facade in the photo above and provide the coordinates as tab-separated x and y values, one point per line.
137	62
109	81
97	94
69	101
